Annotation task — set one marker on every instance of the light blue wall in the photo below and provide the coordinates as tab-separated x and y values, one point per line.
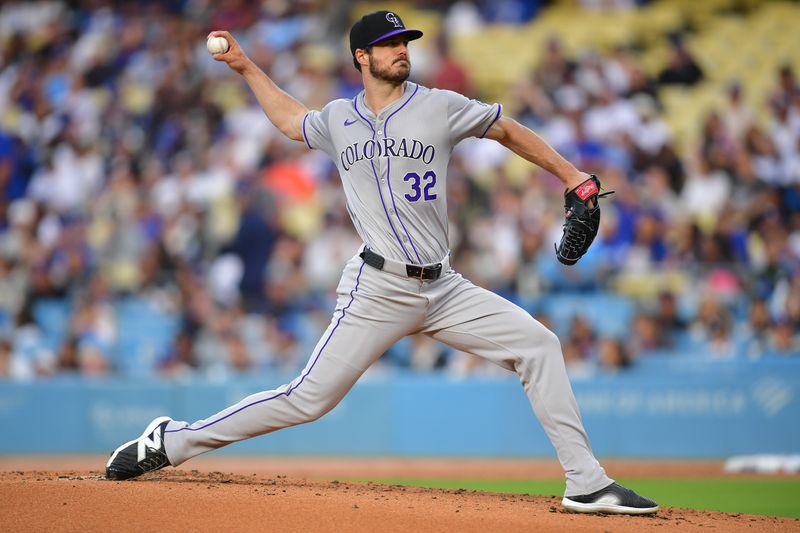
668	409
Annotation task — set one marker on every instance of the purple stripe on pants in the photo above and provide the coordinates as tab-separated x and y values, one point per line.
290	390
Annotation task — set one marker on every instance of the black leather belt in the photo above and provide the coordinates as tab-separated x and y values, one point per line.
425	273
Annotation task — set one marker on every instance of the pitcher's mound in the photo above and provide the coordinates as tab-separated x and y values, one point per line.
177	500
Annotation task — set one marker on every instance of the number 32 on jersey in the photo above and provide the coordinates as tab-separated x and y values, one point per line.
421	187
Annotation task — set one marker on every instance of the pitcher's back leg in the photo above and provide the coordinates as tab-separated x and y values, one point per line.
477	321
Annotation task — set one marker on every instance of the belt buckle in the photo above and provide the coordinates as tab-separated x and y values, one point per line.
436	269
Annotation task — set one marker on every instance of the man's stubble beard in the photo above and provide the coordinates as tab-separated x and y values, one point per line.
387	75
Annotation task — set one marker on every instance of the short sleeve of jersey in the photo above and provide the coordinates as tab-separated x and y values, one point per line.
316	132
469	118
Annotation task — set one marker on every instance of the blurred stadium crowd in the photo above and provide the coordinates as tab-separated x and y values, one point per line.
152	221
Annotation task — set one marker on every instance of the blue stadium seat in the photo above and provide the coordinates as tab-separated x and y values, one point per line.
608	314
143	336
52	315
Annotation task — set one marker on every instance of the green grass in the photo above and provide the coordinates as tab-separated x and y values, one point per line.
765	496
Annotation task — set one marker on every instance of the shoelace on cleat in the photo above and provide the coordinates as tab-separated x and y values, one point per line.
153	462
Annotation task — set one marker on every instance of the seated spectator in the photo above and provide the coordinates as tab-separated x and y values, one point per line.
609	118
582	334
93	361
738	116
578	366
763	155
791	291
7	370
788	88
31	350
720	343
427	354
68	360
711	324
755	332
238	359
256	224
462	17
450	73
667	314
651	134
13	279
180	359
93	324
718	146
666	160
783	339
81	358
641	83
647	336
785	133
682	68
555	67
612	355
648	248
706	192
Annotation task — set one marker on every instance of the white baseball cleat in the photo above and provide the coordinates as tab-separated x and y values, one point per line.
141	455
614	499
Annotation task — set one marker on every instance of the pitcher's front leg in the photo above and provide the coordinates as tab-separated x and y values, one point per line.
372	314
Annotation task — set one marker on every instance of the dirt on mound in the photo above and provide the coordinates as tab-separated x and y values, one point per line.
181	500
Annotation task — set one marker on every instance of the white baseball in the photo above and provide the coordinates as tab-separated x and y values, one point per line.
217	45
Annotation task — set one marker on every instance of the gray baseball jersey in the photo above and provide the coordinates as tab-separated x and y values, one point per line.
393	167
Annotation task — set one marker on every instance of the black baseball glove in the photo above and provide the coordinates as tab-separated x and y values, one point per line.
582	208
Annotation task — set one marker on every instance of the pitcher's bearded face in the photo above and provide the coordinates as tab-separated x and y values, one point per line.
389	61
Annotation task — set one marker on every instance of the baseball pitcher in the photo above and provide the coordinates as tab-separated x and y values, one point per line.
392	144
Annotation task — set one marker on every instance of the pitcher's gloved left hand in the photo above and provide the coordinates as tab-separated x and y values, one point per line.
582	208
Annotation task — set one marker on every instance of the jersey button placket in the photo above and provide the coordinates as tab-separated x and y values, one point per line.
383	166
381	160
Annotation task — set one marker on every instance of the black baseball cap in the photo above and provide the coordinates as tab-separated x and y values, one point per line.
374	27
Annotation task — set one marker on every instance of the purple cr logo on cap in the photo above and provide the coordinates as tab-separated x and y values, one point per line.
376	26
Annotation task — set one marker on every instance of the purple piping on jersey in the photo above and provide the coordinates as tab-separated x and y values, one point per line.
291	389
499	109
305	138
389	173
378	182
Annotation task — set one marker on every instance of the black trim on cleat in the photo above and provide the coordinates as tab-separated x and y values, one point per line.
142	455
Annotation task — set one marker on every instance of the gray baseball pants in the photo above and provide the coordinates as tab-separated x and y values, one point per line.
376	308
